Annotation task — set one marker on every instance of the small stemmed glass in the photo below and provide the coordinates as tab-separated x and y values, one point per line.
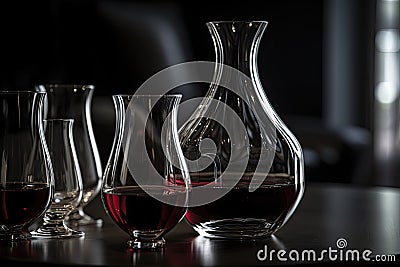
67	181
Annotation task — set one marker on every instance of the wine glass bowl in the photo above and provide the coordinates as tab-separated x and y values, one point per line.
143	192
143	217
26	171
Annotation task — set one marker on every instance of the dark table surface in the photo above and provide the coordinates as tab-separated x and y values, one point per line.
366	218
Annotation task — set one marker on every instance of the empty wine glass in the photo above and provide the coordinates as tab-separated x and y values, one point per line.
25	168
70	101
143	191
67	181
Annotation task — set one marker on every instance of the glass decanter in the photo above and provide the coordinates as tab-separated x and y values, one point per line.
70	101
252	172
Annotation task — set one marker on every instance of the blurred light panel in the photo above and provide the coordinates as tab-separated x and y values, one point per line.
387	87
386	92
388	41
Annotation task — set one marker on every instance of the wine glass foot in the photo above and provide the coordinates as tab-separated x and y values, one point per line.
57	232
80	218
146	244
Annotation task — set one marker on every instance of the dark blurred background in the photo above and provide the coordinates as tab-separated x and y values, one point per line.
316	62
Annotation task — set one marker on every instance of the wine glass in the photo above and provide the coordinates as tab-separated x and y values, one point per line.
26	172
145	183
74	101
67	181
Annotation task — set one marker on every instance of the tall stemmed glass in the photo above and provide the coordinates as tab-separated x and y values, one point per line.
26	174
145	186
74	101
67	180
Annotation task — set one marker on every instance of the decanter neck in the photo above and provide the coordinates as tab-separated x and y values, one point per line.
236	43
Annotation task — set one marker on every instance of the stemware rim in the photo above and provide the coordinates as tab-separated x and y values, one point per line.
21	92
67	85
59	119
236	21
148	95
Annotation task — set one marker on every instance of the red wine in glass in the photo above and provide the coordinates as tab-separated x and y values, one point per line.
21	203
265	210
136	212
